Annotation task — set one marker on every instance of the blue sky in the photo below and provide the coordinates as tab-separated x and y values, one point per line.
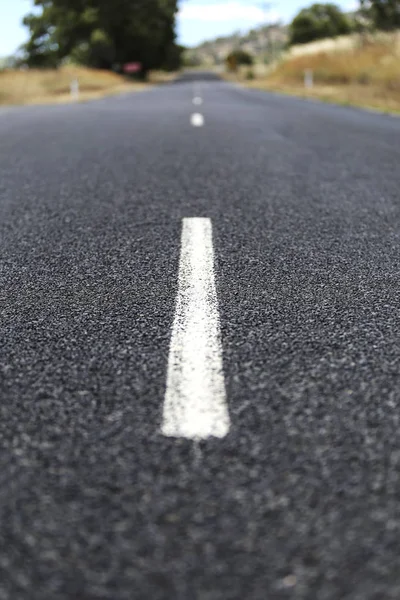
198	20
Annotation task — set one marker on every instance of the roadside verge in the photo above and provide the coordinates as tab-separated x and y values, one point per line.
37	86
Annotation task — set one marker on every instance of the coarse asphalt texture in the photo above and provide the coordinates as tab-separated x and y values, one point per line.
301	500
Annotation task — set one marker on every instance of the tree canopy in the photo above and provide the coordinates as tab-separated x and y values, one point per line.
103	33
383	14
239	57
317	22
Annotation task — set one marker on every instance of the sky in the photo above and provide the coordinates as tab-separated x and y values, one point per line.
198	20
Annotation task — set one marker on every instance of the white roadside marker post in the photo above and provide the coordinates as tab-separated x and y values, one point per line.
308	79
74	87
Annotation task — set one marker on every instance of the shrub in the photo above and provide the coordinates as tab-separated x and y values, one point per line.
238	57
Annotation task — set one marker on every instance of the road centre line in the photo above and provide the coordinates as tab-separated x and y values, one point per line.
196	89
197	97
197	120
195	405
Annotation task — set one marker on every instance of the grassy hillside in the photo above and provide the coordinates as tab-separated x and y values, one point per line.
53	86
354	72
262	42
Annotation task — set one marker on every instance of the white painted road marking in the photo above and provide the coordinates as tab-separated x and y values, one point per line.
196	89
197	120
197	100
195	405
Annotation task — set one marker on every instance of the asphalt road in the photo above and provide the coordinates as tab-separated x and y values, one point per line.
301	499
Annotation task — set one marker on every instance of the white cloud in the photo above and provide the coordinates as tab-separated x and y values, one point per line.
225	11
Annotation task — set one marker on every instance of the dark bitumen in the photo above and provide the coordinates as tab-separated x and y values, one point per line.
302	499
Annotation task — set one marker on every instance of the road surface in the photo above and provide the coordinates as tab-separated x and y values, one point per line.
199	230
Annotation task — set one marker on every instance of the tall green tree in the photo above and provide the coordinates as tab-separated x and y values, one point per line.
317	22
103	33
383	14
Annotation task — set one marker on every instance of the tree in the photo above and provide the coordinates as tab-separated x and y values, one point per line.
384	14
317	22
238	57
101	33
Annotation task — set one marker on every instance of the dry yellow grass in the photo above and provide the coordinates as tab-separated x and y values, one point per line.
53	86
161	77
344	42
377	64
367	74
370	97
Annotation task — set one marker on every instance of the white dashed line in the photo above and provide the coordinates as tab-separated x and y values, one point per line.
197	101
197	120
196	89
195	405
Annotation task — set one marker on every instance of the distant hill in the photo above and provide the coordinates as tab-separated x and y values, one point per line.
7	62
264	43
